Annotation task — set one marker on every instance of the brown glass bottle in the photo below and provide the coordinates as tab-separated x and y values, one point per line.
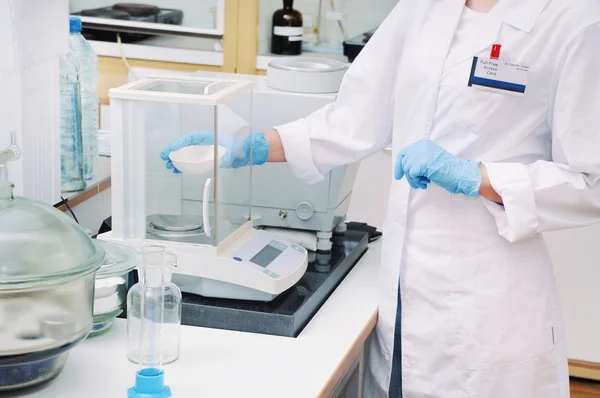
287	30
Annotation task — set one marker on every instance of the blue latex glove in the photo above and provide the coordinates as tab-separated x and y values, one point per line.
425	161
238	148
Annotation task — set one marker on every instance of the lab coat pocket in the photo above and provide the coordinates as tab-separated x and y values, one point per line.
483	112
535	378
505	305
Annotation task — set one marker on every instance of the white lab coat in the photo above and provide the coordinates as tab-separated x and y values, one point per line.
480	310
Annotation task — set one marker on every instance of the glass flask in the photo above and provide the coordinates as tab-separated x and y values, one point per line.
154	310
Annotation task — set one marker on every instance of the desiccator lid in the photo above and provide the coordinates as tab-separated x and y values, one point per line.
40	245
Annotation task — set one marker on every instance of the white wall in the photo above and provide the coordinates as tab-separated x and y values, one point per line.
362	16
576	258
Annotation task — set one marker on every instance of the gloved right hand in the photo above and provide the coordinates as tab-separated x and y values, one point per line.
237	145
425	161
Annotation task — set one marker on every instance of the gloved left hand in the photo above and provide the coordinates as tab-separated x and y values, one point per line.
238	148
425	161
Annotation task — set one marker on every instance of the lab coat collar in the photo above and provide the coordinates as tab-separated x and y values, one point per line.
522	14
476	43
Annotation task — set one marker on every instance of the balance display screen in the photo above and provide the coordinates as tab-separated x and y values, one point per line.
266	256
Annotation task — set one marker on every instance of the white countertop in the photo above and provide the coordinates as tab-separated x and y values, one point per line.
216	363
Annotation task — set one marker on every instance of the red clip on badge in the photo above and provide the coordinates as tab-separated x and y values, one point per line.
495	54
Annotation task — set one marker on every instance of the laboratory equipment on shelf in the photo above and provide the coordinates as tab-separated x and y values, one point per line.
287	30
310	22
156	288
332	30
134	12
47	267
148	330
354	46
112	284
205	219
86	61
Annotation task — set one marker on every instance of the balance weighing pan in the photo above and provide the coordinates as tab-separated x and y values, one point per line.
175	226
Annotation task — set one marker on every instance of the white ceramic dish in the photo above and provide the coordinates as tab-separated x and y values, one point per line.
197	159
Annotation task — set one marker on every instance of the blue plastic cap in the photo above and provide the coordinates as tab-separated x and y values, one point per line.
149	383
74	25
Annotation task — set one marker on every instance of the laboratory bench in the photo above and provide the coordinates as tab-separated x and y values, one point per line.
325	360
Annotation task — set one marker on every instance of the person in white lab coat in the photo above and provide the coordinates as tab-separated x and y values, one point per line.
486	160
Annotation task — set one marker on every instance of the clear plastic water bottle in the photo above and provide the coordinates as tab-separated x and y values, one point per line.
87	66
71	167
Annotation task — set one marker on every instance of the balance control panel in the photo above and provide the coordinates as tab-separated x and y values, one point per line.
273	257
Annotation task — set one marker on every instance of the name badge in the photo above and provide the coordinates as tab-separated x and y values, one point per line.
499	76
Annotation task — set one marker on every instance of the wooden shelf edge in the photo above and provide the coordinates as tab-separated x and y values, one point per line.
584	370
85	196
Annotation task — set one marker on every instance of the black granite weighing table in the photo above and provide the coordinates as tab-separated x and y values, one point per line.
291	311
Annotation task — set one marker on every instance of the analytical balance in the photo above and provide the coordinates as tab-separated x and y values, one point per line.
206	219
289	203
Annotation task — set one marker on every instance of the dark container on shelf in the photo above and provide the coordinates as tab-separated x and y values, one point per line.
287	30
